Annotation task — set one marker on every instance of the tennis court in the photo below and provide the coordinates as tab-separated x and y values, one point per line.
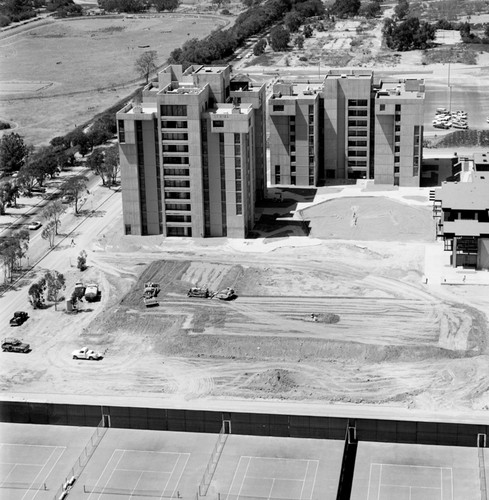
255	468
142	464
415	472
35	459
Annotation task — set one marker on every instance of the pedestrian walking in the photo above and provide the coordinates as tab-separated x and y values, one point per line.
72	242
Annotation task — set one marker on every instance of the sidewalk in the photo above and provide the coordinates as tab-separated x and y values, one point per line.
439	271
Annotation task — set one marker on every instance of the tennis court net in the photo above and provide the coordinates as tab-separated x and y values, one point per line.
23	486
105	490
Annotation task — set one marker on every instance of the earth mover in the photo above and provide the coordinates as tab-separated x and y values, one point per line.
226	294
199	292
92	292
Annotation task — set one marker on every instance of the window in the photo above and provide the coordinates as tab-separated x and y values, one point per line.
382	107
238	185
175	148
176	171
415	171
175	160
292	179
357	102
277	179
357	123
173	110
128	228
174	136
397	149
177	196
278	107
237	150
292	158
218	123
396	169
237	139
397	138
277	169
177	183
396	181
239	209
357	112
396	159
397	128
398	108
173	124
122	132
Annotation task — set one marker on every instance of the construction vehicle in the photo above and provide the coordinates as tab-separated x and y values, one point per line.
226	294
79	291
199	292
151	291
92	293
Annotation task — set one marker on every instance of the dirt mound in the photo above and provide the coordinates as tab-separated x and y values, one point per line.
275	381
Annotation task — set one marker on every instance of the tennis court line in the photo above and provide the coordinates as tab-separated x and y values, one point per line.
181	473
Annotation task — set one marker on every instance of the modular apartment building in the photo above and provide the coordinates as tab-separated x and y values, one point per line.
192	154
363	130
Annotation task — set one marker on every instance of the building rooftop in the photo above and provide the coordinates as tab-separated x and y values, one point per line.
465	195
210	69
464	227
481	158
351	73
407	88
230	109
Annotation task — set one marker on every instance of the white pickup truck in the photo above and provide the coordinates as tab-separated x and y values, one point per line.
86	353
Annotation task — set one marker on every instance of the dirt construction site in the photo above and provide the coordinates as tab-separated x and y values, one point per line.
331	319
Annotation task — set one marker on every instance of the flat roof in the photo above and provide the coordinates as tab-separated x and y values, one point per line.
408	88
229	109
465	195
210	69
464	227
481	157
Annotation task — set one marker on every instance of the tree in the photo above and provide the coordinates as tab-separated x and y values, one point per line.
95	163
146	63
401	10
36	294
220	3
299	41
8	195
170	5
279	38
371	9
12	249
55	282
82	261
12	152
111	163
42	163
410	34
346	8
259	47
77	138
307	31
293	21
53	212
48	233
75	187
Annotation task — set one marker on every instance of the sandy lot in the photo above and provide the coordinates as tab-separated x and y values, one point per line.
398	341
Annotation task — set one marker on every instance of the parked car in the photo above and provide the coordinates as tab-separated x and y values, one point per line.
38	189
463	126
92	292
67	198
14	345
86	353
18	318
440	111
442	125
34	225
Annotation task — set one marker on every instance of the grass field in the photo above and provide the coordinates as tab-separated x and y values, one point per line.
53	76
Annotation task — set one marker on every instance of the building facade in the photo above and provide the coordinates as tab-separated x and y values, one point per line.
461	210
192	154
363	130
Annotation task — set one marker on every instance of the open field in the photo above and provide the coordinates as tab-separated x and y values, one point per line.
87	66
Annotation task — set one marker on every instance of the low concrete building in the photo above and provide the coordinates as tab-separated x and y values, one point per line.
462	213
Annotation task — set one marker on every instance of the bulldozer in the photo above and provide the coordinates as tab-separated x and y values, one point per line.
151	291
199	292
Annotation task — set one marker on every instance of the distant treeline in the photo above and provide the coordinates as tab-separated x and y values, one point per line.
14	11
221	44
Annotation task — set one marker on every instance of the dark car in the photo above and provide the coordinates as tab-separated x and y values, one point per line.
15	345
18	318
38	189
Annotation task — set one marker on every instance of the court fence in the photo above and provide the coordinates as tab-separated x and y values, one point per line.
213	460
229	496
81	461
